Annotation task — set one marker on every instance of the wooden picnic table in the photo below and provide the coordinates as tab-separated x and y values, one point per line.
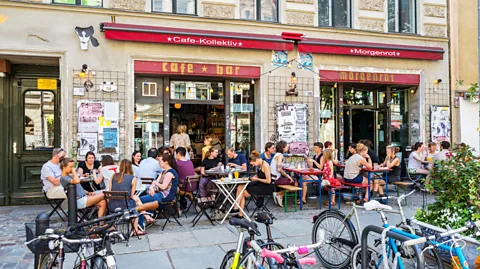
308	172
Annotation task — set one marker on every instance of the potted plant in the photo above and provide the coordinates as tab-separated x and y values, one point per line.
473	93
457	181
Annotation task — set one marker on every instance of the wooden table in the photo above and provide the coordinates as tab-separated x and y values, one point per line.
309	173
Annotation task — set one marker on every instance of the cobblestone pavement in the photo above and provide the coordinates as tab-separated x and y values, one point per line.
177	247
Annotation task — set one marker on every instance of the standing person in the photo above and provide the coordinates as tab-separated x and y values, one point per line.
279	176
184	169
124	180
236	160
50	175
149	168
161	189
87	167
207	142
267	155
108	169
84	200
181	139
373	155
211	161
328	171
353	168
415	161
261	184
442	155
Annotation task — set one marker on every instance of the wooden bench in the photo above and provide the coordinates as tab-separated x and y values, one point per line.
289	191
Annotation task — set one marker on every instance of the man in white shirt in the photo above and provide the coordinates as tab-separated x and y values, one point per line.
442	154
50	175
149	168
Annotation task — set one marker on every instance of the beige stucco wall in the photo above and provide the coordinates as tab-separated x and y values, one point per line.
52	33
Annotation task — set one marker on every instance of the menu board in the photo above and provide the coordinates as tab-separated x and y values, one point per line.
292	126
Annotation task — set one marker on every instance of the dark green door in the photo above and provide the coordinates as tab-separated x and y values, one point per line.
33	131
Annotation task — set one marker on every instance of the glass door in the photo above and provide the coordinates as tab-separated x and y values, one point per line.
242	117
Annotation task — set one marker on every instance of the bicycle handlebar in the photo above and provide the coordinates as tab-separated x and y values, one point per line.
64	239
469	225
307	260
271	254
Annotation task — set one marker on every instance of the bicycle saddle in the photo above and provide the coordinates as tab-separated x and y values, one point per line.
264	218
375	205
245	224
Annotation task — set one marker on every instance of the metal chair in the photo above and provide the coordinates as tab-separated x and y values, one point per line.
110	197
56	205
192	183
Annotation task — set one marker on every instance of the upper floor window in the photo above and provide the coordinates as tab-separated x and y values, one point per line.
91	3
175	6
402	16
334	13
262	10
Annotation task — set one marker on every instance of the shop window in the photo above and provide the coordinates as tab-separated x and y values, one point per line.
186	90
262	10
402	16
357	97
149	89
335	13
39	119
91	3
175	6
148	127
242	131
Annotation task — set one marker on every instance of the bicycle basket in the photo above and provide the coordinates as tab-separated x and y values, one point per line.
123	227
39	246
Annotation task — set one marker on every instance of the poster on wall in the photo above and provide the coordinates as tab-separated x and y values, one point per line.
305	60
98	129
279	58
440	123
292	126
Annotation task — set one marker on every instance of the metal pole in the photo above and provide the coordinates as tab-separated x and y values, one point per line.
72	204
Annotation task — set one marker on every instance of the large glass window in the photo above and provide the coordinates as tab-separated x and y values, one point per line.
327	113
399	117
148	127
39	119
334	13
402	16
175	6
187	90
242	131
263	10
92	3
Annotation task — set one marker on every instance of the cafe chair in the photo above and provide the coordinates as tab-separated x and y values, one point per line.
168	208
56	205
260	201
111	198
190	193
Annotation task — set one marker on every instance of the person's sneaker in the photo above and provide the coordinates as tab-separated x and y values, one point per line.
279	201
275	198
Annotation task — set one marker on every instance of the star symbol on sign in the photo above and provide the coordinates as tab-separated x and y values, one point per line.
398	53
169	39
351	51
240	44
204	69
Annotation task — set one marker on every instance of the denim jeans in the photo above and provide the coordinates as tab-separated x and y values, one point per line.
205	186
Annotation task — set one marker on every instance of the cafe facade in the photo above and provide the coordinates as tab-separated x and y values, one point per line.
139	76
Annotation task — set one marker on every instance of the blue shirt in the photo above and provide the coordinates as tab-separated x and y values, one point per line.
264	157
149	168
239	160
49	169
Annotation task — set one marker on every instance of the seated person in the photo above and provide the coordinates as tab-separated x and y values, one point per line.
354	165
161	188
391	162
87	167
317	161
442	155
351	150
149	168
51	174
108	169
261	184
279	176
124	181
184	169
372	154
236	160
416	162
269	152
69	176
211	161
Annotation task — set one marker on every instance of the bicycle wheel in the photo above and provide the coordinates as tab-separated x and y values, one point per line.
227	259
340	239
375	258
47	261
99	263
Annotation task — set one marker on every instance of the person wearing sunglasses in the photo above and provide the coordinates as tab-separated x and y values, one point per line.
50	175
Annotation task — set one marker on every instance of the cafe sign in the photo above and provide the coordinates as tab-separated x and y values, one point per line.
369	77
196	69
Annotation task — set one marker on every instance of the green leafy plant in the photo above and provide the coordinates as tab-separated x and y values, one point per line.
473	92
458	183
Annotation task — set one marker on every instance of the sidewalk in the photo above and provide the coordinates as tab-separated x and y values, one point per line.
178	247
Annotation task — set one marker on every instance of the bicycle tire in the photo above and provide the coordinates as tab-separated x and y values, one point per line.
243	261
46	261
375	258
335	252
99	263
227	259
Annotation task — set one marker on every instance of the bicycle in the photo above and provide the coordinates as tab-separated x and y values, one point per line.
342	237
58	240
455	249
233	256
278	259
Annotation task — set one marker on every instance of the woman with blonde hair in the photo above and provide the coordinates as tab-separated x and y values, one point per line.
124	180
354	165
181	139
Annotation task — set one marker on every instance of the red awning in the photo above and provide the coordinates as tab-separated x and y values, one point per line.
341	47
178	36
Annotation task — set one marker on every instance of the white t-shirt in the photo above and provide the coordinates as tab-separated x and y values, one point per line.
107	173
412	162
273	166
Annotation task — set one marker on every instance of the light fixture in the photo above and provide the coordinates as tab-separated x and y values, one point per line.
3	74
289	66
383	95
84	71
335	86
232	88
177	105
253	81
211	90
437	81
352	91
167	89
412	91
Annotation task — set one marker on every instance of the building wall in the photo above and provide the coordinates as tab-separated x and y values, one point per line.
52	33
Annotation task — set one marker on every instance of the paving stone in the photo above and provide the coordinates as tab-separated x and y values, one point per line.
294	227
215	236
134	245
198	257
172	240
150	259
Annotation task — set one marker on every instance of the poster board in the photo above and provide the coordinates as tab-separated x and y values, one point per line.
98	128
292	126
440	124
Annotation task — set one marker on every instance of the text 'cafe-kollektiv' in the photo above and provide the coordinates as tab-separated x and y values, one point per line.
112	81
